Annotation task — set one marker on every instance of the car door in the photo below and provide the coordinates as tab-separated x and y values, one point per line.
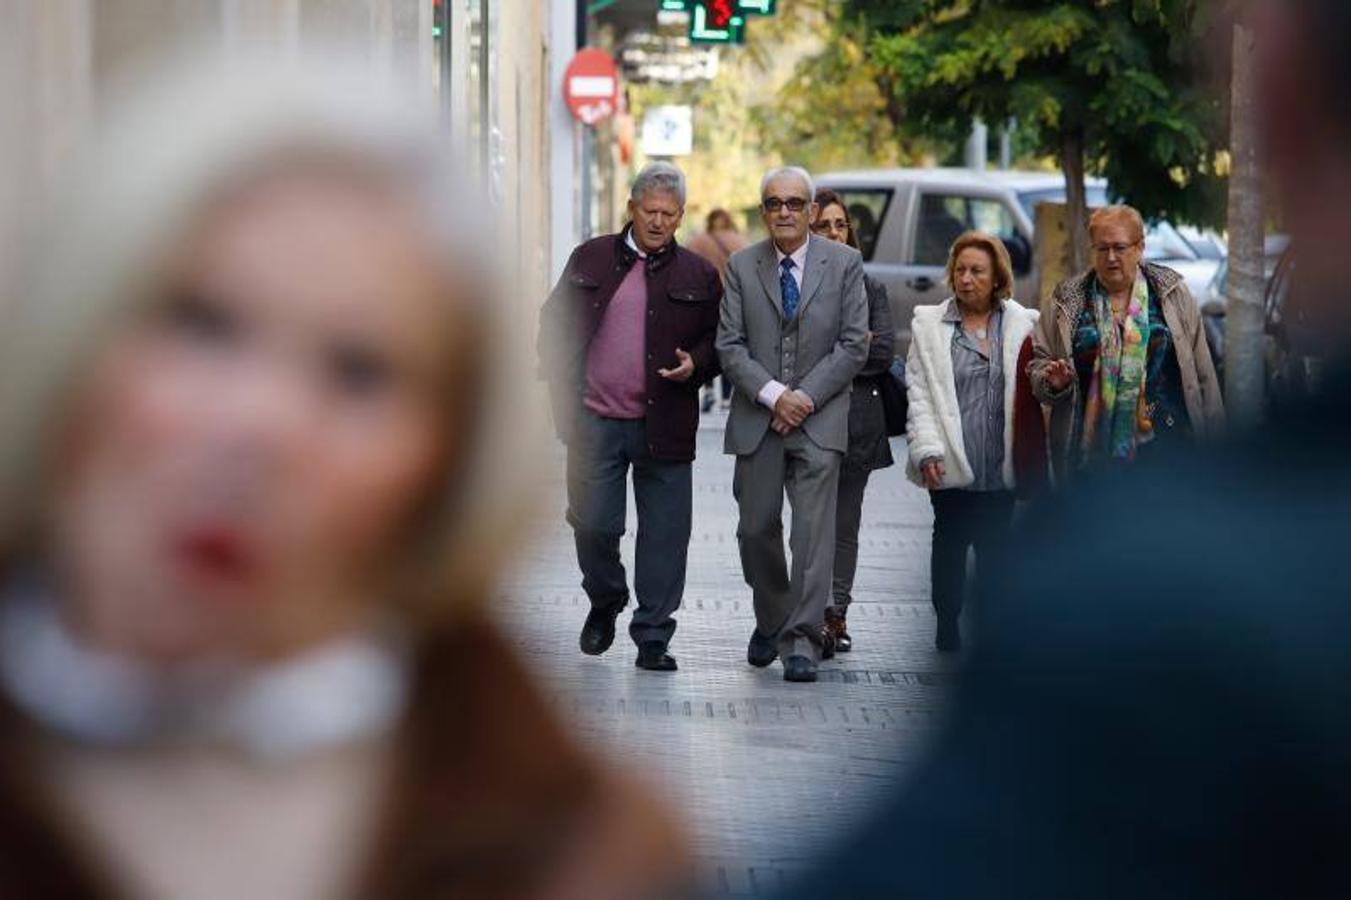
939	216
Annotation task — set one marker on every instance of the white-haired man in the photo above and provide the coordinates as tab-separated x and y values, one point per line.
793	334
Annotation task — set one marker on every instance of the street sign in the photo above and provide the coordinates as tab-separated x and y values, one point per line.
591	86
668	131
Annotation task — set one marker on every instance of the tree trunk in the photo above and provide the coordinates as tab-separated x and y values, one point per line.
1244	327
1072	164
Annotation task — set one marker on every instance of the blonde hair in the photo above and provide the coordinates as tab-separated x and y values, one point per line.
999	257
1119	213
173	147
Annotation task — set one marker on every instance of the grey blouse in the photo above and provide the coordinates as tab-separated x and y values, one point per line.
980	394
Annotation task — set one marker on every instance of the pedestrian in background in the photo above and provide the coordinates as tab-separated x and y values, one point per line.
625	340
793	335
960	379
716	243
1122	359
261	464
869	448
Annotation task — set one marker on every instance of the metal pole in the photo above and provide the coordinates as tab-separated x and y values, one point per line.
586	200
484	91
976	154
445	79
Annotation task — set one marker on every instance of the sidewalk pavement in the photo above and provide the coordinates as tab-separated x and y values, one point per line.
765	773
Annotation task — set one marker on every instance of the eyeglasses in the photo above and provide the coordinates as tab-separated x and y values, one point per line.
1118	249
774	204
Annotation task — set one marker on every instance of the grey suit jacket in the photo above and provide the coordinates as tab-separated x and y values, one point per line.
819	351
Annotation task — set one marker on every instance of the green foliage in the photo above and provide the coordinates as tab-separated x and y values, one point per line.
836	109
1128	80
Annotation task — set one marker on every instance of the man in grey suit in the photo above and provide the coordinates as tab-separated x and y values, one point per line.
793	334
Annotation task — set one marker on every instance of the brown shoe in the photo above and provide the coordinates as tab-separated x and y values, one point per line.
827	642
838	631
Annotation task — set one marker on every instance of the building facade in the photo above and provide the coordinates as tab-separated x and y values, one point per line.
494	66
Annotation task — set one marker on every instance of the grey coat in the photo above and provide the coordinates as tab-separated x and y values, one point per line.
868	445
819	351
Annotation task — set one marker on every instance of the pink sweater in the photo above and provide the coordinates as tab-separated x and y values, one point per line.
616	373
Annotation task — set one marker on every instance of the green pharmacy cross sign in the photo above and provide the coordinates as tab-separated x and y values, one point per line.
719	21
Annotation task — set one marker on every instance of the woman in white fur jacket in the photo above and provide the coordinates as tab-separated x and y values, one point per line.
960	378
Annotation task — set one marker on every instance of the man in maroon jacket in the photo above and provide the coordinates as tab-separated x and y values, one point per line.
626	339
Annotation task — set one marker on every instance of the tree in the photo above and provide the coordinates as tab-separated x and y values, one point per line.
1120	88
835	110
1244	318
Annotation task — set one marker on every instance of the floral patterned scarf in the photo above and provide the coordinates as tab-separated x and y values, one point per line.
1114	414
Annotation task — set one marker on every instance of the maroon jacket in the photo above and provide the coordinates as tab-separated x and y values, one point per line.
683	294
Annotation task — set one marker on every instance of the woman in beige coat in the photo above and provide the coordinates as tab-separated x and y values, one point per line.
1121	357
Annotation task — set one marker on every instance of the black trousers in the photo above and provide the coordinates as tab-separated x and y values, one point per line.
964	520
600	456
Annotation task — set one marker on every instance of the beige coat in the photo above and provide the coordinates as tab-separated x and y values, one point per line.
1054	334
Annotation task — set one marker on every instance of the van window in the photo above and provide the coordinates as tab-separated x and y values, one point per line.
943	218
867	210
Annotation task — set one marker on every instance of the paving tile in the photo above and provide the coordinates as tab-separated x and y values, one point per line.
763	772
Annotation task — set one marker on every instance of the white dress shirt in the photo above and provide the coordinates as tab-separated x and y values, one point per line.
628	239
773	389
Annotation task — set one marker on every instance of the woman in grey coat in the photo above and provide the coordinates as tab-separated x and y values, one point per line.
868	446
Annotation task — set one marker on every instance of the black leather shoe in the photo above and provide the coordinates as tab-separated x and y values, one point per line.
598	632
761	651
799	668
949	637
652	656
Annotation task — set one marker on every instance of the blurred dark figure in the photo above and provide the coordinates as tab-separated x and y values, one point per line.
718	241
1159	708
625	340
868	446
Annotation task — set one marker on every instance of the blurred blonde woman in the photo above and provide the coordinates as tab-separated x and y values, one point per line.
257	477
960	380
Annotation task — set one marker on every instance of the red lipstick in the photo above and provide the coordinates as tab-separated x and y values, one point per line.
217	552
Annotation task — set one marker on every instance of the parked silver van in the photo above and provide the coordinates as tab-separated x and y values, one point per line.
906	219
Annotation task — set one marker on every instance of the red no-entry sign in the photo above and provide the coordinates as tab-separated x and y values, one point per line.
591	86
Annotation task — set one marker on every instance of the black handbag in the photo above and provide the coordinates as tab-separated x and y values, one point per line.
895	404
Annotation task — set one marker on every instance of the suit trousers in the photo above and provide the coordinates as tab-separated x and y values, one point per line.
600	454
963	520
848	517
792	610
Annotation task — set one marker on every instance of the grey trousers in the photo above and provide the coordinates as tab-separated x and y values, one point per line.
848	516
599	458
792	610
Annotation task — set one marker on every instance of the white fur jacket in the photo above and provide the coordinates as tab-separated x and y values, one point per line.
933	426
